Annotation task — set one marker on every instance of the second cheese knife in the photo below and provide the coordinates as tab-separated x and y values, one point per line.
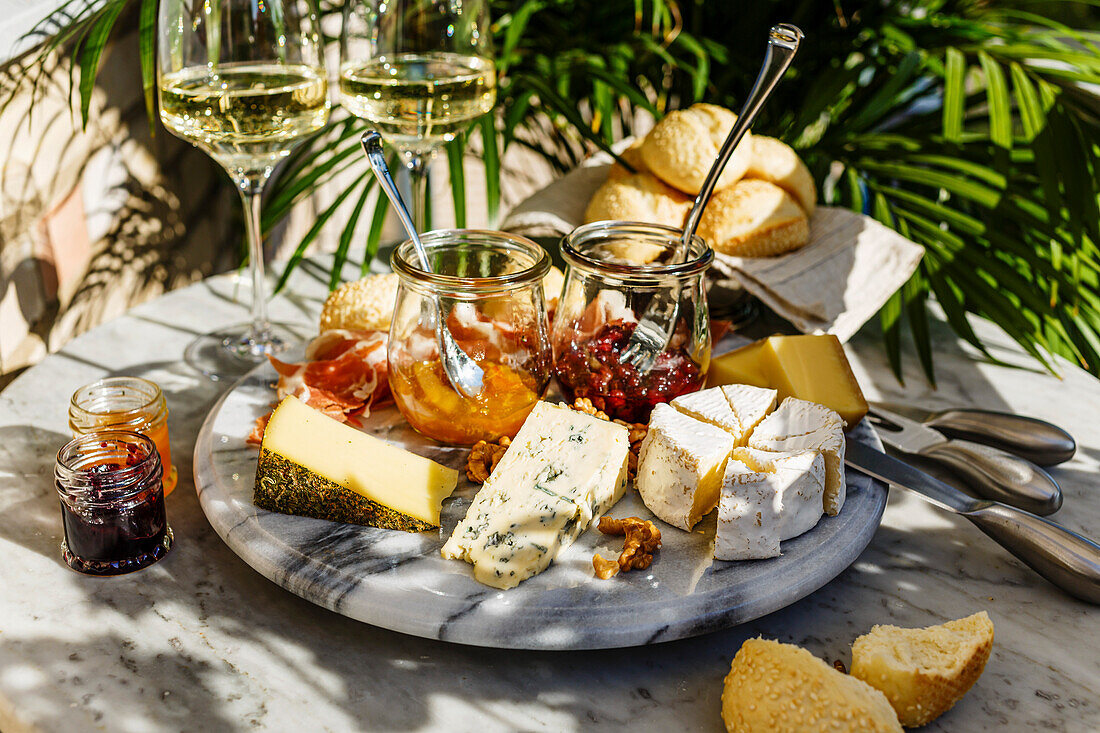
1065	558
1036	440
990	472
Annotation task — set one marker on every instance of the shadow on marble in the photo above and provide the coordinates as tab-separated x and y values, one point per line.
32	515
389	681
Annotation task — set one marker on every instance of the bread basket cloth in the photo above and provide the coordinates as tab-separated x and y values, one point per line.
836	283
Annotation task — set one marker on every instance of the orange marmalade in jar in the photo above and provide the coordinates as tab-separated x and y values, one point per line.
125	403
488	286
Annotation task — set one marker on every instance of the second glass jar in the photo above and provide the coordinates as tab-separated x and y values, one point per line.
489	287
602	300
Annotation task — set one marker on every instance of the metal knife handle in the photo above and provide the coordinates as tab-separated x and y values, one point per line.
1033	439
1065	558
994	474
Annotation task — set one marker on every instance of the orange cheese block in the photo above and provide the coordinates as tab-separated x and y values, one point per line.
810	368
743	366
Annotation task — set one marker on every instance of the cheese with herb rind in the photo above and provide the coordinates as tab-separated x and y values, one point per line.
312	465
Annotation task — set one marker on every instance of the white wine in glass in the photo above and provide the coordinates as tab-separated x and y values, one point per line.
245	82
420	71
419	101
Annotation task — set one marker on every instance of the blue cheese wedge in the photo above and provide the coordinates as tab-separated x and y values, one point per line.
680	466
562	470
767	498
800	425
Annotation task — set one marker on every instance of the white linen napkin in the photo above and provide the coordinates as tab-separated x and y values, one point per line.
834	284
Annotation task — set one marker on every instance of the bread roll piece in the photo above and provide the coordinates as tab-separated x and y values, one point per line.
633	156
775	687
754	218
637	197
776	162
551	287
365	305
923	672
683	146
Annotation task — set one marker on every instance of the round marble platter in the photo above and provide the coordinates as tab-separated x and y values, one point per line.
399	581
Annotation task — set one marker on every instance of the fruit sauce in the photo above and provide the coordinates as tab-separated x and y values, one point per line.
592	369
112	503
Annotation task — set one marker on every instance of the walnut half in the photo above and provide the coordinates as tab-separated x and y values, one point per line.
642	540
484	457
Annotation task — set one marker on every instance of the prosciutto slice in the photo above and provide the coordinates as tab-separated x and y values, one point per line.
344	375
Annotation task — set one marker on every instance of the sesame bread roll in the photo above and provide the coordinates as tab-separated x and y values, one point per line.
776	162
683	146
363	305
775	688
754	218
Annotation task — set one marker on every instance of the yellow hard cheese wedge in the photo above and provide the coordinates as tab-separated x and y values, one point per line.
314	466
812	368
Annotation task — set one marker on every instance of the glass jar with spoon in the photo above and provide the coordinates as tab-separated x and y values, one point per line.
487	288
603	299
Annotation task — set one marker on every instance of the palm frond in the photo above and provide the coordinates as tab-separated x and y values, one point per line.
972	128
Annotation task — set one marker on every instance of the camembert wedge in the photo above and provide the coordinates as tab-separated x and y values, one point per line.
735	408
563	469
767	498
750	405
680	466
800	425
314	466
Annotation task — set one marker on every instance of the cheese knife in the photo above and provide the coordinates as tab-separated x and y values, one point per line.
1065	558
990	472
1036	440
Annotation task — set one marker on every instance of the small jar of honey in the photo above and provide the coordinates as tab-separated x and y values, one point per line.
487	286
125	403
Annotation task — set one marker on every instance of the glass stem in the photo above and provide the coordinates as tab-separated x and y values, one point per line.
418	178
250	197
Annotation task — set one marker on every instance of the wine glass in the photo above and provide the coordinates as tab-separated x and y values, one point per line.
420	71
245	82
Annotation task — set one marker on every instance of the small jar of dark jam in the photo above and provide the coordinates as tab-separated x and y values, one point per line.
618	272
112	503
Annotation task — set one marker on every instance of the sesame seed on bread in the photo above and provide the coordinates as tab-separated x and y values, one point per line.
683	146
774	687
754	218
776	162
363	305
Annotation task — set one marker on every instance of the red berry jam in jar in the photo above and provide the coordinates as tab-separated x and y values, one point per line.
112	503
619	274
592	369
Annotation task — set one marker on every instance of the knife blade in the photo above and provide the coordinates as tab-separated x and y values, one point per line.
990	472
1065	558
1036	440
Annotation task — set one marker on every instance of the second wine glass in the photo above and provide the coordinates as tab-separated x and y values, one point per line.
419	71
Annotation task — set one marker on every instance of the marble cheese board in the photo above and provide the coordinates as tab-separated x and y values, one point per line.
399	581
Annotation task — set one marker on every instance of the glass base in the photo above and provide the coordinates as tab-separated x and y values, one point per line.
233	351
117	567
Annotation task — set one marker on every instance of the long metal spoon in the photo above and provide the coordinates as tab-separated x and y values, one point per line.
654	329
463	372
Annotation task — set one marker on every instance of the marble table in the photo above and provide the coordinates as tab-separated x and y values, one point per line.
201	642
